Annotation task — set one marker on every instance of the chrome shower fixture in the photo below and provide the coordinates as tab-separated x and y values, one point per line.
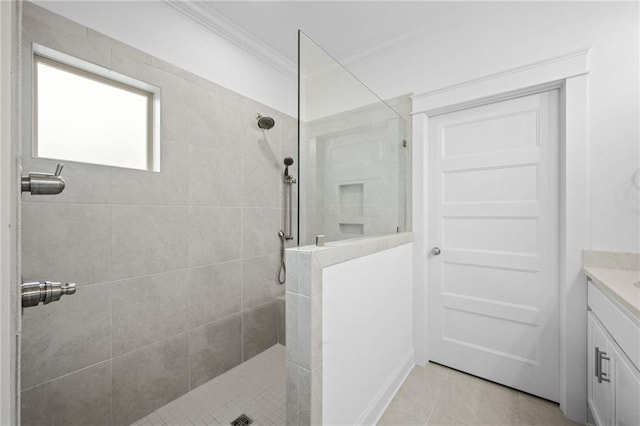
282	271
288	161
289	180
44	183
287	233
265	123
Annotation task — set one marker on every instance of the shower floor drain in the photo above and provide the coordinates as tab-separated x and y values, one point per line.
243	420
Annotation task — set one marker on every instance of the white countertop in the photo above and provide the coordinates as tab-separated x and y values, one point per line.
619	284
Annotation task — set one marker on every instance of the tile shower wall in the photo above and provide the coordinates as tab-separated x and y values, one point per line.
358	182
176	271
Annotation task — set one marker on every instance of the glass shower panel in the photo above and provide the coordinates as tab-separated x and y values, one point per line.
352	153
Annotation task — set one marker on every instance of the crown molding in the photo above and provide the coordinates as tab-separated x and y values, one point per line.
224	27
412	37
216	22
363	56
551	70
387	47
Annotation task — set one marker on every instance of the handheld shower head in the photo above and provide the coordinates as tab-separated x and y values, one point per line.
288	161
265	123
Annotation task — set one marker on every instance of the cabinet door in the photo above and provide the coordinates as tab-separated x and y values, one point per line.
600	394
626	384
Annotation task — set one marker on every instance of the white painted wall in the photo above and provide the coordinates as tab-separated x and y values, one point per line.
367	334
514	34
160	30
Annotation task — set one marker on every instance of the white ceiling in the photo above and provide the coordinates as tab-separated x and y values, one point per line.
352	32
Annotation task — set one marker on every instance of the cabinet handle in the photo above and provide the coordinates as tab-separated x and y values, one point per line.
602	377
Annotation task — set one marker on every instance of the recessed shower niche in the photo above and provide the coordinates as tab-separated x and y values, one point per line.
351	198
351	207
351	228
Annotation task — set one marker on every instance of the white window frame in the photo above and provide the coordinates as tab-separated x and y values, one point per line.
81	68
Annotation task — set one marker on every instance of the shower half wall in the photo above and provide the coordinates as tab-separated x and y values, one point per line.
349	321
176	270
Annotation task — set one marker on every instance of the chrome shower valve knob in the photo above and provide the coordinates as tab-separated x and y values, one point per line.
45	292
44	183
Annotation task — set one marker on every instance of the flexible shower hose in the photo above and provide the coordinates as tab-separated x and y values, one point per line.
282	272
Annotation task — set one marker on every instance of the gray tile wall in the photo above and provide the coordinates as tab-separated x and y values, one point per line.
303	329
176	271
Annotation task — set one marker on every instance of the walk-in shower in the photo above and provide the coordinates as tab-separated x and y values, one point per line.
177	317
175	269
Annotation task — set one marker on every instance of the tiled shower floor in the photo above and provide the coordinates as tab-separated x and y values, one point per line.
255	388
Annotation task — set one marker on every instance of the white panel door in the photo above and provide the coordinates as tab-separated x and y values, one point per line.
494	286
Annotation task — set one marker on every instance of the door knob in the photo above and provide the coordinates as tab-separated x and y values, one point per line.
435	251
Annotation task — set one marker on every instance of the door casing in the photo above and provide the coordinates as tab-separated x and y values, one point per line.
569	74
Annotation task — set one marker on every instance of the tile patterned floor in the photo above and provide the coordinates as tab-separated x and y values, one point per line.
436	395
431	395
255	387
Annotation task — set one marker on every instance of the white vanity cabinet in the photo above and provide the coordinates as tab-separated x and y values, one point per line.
614	378
626	390
600	390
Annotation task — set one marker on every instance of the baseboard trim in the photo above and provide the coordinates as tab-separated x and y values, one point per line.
383	398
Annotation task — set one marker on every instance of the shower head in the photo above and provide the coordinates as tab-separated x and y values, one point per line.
265	122
288	161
